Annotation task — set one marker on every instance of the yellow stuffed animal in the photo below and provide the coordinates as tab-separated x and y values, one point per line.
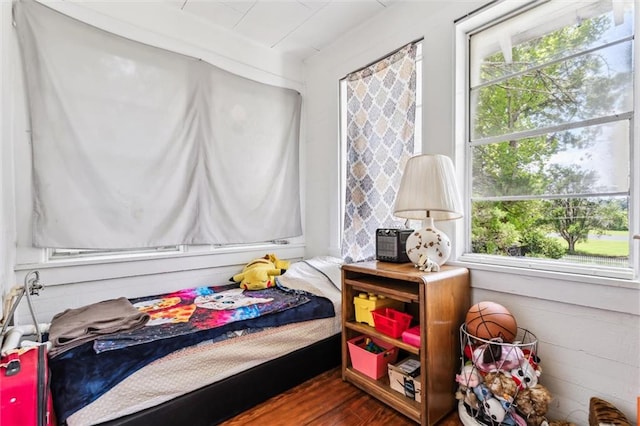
259	273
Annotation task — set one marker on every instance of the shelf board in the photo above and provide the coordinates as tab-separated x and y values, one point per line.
381	390
404	291
370	331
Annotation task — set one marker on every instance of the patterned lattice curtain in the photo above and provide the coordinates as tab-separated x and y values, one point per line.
381	107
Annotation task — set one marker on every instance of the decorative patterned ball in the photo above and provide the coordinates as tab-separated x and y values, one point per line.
490	320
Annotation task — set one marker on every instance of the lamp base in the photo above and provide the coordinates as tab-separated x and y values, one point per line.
431	242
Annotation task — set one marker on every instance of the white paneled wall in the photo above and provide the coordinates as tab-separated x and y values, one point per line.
73	285
584	351
55	298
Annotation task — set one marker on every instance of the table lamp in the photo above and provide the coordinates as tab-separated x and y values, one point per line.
428	192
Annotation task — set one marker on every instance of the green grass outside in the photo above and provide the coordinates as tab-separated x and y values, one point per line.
600	247
604	248
623	233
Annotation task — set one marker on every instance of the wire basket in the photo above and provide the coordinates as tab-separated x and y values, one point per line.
491	376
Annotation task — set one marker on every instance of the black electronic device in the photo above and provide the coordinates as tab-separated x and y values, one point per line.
391	244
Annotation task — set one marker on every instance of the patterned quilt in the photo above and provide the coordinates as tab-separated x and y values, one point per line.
191	310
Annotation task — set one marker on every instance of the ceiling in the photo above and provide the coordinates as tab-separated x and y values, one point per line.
297	27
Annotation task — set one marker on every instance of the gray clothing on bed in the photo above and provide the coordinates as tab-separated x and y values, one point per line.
74	327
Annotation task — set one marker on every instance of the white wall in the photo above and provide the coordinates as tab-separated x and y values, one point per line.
7	237
588	328
77	283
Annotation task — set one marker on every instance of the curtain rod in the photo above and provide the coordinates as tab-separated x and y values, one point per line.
383	56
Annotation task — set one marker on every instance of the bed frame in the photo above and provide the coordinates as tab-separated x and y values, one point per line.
222	400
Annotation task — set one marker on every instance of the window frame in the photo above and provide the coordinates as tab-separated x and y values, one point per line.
96	255
466	26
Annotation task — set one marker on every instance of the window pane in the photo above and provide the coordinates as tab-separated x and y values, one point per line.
588	86
547	34
550	103
592	159
584	230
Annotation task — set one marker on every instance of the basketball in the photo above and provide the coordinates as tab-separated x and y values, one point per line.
490	320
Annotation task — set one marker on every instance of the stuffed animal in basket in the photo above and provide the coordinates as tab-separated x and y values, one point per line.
491	409
526	375
468	379
260	273
469	376
533	403
502	386
497	356
494	410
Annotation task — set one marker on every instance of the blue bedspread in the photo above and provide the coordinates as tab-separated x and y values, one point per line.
80	375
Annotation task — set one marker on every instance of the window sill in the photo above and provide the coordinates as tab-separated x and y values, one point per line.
613	294
77	270
563	271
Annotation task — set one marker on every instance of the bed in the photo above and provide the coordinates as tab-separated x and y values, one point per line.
215	378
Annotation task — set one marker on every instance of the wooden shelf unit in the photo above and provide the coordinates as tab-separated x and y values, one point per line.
439	302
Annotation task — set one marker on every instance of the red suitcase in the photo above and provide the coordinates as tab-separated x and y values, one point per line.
24	388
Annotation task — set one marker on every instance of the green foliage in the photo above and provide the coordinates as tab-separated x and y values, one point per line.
543	96
491	232
572	218
614	215
498	227
538	244
511	168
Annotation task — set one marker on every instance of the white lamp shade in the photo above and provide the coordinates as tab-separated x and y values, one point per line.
428	189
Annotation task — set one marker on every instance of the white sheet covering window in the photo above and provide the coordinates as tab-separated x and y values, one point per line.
135	146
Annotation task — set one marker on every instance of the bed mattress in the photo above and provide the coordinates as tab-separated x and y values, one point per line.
196	366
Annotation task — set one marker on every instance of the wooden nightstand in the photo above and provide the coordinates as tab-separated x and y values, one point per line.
439	302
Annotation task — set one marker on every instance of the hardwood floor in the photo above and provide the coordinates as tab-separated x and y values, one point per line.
326	401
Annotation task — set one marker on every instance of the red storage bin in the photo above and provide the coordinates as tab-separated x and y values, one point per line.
391	322
369	363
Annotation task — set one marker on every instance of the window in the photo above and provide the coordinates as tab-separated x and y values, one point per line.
381	128
76	254
58	254
549	107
